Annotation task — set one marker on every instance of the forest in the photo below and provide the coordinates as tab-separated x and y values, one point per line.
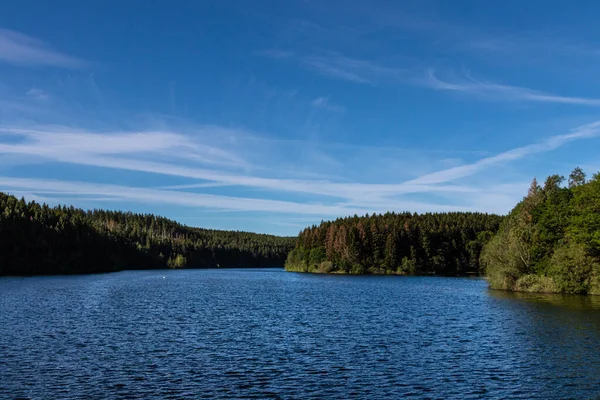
38	239
550	242
395	243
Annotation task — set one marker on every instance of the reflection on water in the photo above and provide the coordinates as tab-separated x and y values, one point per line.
272	334
574	302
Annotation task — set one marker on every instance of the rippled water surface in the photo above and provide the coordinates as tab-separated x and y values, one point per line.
272	334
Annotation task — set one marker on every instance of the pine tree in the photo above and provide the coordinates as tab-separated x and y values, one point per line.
576	178
534	188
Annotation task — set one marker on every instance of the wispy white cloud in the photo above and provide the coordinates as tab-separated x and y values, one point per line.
63	144
539	45
326	188
38	94
194	186
144	195
216	202
139	151
338	66
126	150
19	49
552	143
503	92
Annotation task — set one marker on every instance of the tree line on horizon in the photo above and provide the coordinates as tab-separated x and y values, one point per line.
39	239
550	241
395	243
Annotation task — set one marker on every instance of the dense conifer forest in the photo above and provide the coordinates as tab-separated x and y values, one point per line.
550	242
405	243
38	239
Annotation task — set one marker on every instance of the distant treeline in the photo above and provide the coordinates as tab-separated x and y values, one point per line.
550	242
405	243
38	239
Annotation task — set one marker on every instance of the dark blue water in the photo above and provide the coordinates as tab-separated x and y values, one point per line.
272	334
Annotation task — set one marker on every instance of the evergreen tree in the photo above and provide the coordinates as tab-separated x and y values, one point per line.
444	243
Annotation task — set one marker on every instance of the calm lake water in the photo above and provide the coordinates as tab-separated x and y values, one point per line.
272	334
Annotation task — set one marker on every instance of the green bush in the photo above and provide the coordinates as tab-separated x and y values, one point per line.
536	284
176	262
571	268
326	267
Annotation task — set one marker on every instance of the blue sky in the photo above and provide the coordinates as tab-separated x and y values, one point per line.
270	116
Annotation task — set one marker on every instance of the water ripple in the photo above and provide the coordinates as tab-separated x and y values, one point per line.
270	334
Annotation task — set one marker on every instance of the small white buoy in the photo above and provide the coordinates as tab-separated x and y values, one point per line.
163	277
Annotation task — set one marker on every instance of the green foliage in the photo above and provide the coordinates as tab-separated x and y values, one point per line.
577	178
550	242
571	268
536	284
295	261
38	239
317	255
176	262
503	267
408	267
585	220
405	243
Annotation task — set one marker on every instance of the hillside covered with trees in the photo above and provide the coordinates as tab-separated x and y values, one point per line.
38	239
405	243
550	242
